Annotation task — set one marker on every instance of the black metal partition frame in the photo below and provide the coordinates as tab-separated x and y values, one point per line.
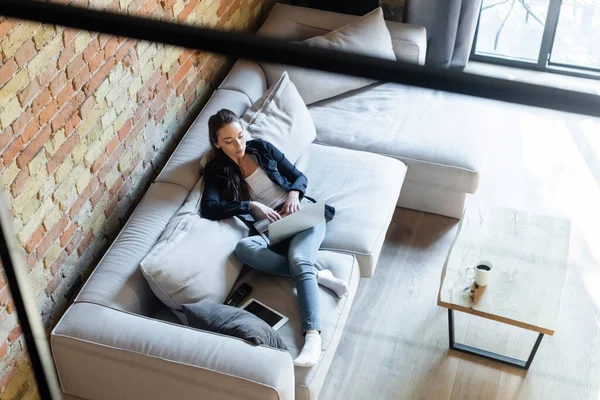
257	48
292	53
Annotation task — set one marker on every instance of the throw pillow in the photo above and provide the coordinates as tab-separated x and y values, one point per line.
194	258
232	321
281	117
366	35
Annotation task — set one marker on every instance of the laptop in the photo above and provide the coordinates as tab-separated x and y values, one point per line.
305	218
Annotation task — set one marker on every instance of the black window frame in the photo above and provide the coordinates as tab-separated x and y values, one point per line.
543	63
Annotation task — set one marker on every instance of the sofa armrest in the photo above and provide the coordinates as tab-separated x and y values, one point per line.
248	77
409	41
102	353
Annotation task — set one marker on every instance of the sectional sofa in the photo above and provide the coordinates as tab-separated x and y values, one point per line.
378	147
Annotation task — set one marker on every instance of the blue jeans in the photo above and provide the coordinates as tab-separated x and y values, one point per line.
298	265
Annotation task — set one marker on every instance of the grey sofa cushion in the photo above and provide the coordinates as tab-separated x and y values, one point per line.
246	76
366	35
281	118
232	321
194	257
364	188
442	137
298	23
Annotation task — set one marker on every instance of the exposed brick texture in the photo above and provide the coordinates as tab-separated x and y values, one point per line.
86	123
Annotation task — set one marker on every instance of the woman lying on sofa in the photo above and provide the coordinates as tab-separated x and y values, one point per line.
253	180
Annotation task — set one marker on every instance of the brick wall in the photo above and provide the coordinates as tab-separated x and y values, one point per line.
87	121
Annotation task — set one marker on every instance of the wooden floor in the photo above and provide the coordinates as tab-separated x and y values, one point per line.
395	345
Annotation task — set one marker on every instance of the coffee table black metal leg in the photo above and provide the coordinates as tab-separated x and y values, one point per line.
451	327
488	354
534	350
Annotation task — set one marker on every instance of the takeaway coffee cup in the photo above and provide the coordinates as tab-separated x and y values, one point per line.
481	272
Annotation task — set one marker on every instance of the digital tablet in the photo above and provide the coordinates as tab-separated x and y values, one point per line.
275	319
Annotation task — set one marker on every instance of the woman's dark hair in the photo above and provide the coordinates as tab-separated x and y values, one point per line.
217	121
235	187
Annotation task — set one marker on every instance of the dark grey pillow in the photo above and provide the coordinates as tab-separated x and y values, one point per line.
232	321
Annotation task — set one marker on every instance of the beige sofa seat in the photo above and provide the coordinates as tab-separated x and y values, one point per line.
280	294
363	187
430	131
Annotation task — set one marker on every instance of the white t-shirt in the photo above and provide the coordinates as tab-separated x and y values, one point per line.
264	190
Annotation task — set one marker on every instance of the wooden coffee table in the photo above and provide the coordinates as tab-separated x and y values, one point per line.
529	254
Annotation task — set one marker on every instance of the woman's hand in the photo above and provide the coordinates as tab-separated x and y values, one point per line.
264	211
291	204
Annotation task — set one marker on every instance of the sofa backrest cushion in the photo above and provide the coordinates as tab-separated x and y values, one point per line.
299	23
366	35
194	257
281	117
246	77
117	281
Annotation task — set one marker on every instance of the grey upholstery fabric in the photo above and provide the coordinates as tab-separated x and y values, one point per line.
117	281
232	321
246	77
164	313
441	137
450	28
299	23
281	118
279	293
346	180
102	353
366	35
69	397
432	199
193	258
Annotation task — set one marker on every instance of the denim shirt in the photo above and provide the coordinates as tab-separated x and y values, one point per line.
278	168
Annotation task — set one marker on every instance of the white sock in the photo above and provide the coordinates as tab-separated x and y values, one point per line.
310	352
326	278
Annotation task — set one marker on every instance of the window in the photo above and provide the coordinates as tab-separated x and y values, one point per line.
551	35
